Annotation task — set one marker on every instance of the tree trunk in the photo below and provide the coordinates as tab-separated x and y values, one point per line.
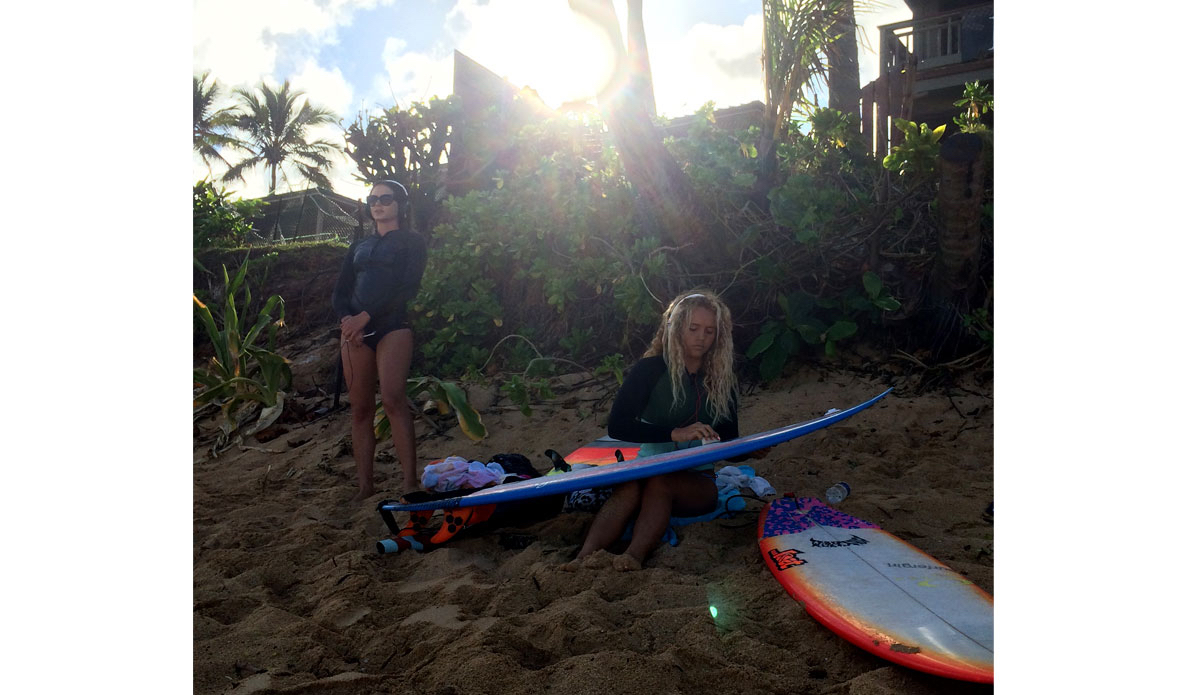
960	201
844	90
641	82
654	173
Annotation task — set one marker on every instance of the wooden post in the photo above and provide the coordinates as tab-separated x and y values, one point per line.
896	103
906	92
883	93
868	116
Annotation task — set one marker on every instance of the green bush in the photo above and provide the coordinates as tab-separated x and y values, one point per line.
216	219
242	376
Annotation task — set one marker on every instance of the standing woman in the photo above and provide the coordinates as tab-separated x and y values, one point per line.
681	392
380	275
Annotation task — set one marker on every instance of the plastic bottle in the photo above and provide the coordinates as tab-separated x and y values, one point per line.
838	492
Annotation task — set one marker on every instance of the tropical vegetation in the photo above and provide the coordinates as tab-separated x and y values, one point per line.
578	227
211	125
245	379
273	126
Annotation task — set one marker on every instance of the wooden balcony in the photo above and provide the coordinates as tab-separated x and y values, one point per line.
923	64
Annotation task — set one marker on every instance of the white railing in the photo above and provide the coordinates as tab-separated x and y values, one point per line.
929	42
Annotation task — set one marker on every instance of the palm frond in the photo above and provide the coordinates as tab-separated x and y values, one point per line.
276	124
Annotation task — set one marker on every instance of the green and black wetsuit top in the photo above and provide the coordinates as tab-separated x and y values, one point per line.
644	411
380	275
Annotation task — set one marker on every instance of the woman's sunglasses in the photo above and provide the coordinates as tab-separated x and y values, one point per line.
384	200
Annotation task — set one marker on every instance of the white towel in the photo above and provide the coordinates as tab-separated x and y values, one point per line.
732	477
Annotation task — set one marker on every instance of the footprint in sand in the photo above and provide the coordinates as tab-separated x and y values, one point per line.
351	616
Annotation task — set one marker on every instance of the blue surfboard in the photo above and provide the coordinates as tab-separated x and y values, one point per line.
635	469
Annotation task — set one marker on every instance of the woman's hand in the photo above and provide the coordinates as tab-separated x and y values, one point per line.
696	430
352	327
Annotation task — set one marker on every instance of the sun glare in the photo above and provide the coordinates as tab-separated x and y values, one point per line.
560	55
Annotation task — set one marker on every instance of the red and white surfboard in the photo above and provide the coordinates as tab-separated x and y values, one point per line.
877	591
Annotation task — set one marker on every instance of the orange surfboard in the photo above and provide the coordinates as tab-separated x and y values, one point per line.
877	591
603	451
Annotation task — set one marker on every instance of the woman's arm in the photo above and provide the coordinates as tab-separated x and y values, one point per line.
412	267
345	286
623	420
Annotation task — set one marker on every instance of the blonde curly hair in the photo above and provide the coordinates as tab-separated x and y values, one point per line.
717	364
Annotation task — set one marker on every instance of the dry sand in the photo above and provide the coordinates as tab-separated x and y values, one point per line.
291	597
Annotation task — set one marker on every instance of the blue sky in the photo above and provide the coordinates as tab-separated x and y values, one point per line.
353	56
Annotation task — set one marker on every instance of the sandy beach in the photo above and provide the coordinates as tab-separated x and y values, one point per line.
290	595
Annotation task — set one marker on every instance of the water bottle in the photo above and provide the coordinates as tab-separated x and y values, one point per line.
838	492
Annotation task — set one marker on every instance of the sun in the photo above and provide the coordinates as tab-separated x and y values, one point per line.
554	51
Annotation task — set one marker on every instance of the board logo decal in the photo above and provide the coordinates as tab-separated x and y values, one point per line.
787	559
912	566
853	540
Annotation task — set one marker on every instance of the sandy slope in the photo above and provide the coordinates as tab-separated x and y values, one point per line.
290	596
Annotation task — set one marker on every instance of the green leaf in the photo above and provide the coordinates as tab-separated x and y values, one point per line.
772	363
810	333
468	418
788	343
857	303
872	283
841	330
887	303
765	340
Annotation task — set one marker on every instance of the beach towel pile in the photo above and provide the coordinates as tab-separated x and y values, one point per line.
456	473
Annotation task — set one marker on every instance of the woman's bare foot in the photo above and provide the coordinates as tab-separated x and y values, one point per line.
363	493
626	563
601	559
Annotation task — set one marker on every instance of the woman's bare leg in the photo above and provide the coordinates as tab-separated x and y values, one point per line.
685	493
358	367
393	358
610	521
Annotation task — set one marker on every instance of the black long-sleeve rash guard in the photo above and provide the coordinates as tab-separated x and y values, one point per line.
644	411
380	275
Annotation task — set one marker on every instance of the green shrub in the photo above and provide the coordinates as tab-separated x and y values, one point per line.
216	219
242	376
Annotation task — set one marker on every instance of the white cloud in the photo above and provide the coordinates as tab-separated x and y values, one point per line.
244	43
325	87
411	76
539	43
709	63
868	35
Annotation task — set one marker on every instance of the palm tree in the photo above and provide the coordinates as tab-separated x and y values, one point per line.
210	129
844	88
805	43
796	36
276	124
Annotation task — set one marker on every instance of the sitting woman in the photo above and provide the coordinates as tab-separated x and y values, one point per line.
682	393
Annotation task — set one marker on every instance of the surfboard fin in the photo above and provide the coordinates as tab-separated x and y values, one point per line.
557	462
455	521
416	523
